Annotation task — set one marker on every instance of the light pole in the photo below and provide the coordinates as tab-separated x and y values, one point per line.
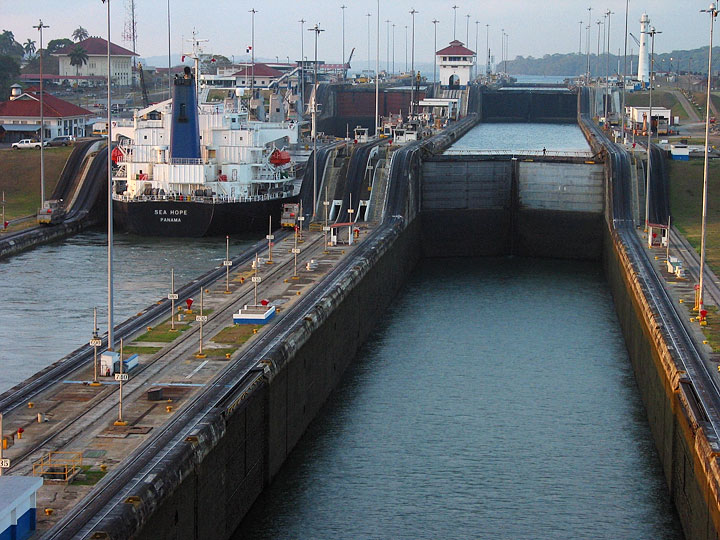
712	10
507	50
253	11
377	72
302	65
477	64
502	47
316	29
369	15
651	33
387	48
580	42
467	30
487	47
40	27
455	8
111	337
589	25
169	59
413	11
343	8
393	48
622	112
406	48
607	66
435	23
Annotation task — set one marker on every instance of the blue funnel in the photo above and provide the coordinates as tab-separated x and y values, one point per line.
184	133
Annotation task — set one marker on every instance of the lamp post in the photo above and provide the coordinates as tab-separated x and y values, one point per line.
502	47
316	29
587	67
111	337
467	30
387	48
413	11
368	15
607	66
435	23
713	11
169	59
377	72
580	42
253	11
477	64
622	112
455	8
343	8
651	33
406	48
40	27
393	48
487	47
302	65
507	49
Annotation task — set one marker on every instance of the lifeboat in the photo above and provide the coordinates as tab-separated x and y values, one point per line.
279	157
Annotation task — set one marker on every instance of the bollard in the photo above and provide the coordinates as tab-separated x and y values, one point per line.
30	404
49	511
103	467
20	431
40	418
168	408
254	330
227	355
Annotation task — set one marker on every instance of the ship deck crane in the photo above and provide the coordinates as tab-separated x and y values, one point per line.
347	64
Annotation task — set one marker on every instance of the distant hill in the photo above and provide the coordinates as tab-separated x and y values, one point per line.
693	61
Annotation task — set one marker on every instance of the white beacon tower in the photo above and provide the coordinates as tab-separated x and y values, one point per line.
644	56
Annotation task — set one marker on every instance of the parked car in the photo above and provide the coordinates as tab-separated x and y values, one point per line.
27	143
62	140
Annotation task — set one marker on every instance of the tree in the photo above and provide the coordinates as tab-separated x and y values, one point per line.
80	34
29	47
10	47
9	71
78	57
56	45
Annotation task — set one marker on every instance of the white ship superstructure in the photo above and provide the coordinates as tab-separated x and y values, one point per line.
239	158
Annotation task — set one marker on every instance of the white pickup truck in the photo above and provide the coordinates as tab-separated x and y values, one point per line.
28	143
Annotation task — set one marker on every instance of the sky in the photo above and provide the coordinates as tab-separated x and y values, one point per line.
534	27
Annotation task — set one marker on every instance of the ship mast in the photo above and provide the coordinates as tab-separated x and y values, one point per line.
195	56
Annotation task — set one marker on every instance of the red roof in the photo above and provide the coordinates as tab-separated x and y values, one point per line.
261	70
456	48
96	46
28	105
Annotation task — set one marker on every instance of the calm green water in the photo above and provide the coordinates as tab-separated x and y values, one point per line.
48	294
495	400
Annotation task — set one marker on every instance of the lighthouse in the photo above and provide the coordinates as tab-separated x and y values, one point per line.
644	58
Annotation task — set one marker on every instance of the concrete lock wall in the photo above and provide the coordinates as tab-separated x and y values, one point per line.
689	464
490	207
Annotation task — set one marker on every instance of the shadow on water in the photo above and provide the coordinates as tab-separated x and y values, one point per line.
495	400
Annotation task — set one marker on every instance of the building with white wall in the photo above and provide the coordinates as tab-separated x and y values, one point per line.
121	64
455	64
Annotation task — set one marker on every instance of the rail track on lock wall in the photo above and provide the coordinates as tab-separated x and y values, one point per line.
703	384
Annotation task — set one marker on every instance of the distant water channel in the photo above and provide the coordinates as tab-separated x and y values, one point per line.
48	293
495	400
519	137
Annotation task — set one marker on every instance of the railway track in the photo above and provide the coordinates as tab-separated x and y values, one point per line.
103	405
21	394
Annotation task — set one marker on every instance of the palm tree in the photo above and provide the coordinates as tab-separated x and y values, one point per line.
80	34
29	47
78	57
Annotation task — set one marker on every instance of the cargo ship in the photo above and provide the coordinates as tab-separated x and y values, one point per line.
192	167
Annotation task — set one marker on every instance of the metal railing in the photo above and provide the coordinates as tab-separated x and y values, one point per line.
58	466
203	199
531	153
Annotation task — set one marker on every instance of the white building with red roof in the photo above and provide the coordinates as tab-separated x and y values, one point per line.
20	116
455	64
262	73
121	68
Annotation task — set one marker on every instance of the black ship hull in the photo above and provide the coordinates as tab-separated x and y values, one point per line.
195	218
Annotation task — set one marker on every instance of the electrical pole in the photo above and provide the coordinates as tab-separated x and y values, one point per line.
40	27
435	22
455	8
316	29
253	11
413	11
